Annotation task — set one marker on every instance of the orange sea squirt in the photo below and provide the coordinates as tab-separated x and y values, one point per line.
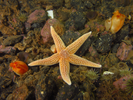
116	22
19	67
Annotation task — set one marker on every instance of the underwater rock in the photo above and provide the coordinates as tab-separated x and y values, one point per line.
91	15
30	81
69	36
27	26
122	33
68	92
130	57
84	47
22	93
37	16
96	28
123	51
16	25
20	46
93	51
54	3
77	21
78	5
7	50
103	43
115	47
62	14
105	8
45	88
6	91
45	32
3	68
121	83
122	3
5	81
67	4
69	25
36	25
91	3
112	59
88	4
12	40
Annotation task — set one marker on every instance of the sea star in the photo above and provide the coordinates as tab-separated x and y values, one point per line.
65	56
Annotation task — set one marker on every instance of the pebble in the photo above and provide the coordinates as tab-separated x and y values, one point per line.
37	16
12	40
7	50
122	33
115	47
78	5
45	88
123	51
21	93
68	92
5	81
45	32
69	36
121	83
77	20
103	43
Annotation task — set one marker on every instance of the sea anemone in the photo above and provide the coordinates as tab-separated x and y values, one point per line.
129	85
92	75
22	17
125	72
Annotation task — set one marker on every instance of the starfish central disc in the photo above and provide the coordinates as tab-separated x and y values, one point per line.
64	54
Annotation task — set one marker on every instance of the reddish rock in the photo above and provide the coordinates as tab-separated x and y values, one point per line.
93	51
37	15
105	32
20	93
45	32
6	49
95	27
27	25
121	83
123	51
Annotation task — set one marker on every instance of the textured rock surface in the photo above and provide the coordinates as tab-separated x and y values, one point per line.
12	40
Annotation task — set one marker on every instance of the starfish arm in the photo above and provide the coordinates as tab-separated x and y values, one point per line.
57	40
72	48
46	61
74	59
64	70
